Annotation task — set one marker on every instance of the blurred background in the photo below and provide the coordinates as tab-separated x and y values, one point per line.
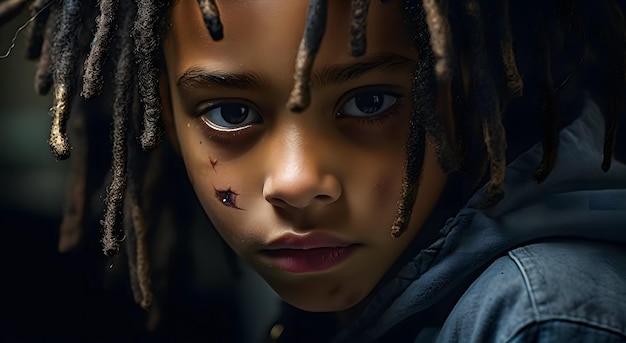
203	293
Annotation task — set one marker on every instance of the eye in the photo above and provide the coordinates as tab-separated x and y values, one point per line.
367	104
230	116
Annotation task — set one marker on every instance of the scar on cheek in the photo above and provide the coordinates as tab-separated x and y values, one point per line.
227	198
213	163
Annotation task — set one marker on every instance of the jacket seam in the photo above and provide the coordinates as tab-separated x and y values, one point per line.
575	321
527	283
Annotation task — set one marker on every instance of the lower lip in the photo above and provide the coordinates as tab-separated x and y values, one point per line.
310	260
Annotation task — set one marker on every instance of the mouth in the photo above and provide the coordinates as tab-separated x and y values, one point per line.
307	253
308	260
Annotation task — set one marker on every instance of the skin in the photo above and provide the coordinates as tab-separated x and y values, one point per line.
297	174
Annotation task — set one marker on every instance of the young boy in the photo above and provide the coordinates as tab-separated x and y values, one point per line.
335	186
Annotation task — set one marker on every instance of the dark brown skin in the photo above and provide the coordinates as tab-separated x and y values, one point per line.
327	171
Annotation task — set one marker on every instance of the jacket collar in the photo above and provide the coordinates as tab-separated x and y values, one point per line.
578	199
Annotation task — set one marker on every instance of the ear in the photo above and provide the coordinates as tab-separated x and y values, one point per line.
167	112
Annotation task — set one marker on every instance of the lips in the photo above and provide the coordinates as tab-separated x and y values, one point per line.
307	254
310	260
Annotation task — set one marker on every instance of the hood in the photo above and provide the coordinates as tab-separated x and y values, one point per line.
577	199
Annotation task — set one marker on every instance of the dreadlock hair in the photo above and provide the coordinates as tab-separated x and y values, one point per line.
467	73
43	75
92	79
300	97
41	13
65	71
58	46
147	44
358	26
211	16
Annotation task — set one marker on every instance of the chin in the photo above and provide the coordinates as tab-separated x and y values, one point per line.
335	300
323	305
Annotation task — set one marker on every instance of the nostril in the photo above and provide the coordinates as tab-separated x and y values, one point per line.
278	202
323	198
297	201
301	190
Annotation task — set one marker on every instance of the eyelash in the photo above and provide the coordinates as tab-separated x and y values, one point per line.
381	118
374	119
230	136
221	136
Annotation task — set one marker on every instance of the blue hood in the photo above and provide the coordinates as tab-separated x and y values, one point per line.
577	200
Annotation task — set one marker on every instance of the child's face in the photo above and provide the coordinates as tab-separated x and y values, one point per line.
306	199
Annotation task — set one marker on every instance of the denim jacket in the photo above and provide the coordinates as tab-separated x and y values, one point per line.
546	264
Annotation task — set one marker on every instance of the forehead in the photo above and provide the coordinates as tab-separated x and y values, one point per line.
264	35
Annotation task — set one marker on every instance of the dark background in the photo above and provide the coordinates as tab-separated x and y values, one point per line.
83	296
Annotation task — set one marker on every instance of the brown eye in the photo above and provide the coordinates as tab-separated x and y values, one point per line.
230	116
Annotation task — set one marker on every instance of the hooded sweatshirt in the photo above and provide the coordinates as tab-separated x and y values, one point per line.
547	263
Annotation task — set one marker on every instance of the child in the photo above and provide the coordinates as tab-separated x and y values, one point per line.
334	180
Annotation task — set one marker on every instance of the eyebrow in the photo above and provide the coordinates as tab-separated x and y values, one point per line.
342	73
336	74
200	77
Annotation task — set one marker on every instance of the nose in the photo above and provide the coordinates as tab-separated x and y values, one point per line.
300	171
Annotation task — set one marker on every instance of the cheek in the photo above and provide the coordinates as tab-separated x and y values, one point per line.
373	194
211	177
386	190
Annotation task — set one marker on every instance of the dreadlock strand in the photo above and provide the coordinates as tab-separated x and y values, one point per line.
489	107
10	8
493	132
211	16
122	106
143	265
610	130
358	27
414	159
58	133
147	42
549	117
141	180
300	97
43	76
438	26
92	78
114	199
41	12
515	84
71	229
443	112
64	75
440	37
130	244
615	86
550	140
130	201
415	146
134	224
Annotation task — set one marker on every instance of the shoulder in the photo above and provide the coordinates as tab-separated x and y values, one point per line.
560	287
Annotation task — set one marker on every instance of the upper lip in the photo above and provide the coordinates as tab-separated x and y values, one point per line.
306	241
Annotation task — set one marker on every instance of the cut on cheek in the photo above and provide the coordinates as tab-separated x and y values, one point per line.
227	198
